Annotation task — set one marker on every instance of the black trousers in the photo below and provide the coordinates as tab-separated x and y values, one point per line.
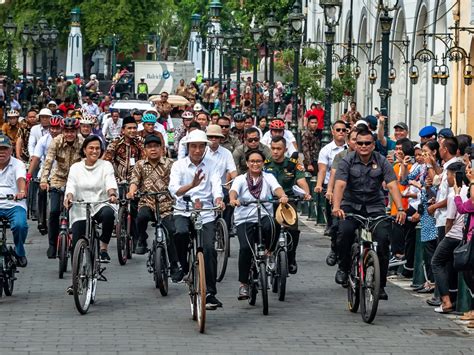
428	251
248	236
453	275
145	215
105	216
42	207
55	202
133	213
346	236
442	264
183	227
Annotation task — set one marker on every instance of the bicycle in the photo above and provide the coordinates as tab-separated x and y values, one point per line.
222	245
364	275
86	269
64	242
279	273
123	226
196	278
8	263
258	277
158	261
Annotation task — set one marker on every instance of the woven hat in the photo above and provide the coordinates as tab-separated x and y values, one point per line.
285	215
214	131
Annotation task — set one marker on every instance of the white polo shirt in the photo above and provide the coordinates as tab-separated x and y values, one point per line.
248	213
110	129
41	150
37	131
442	194
326	157
223	160
8	183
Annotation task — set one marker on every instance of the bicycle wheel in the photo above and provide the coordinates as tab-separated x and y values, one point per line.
369	286
222	248
253	290
62	253
263	280
200	285
353	294
82	276
9	279
192	290
122	238
282	272
160	273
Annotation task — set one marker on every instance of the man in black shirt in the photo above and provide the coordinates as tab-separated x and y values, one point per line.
358	189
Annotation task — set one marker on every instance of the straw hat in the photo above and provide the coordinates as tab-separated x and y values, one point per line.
285	215
214	131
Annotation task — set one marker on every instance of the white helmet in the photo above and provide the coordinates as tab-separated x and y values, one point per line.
187	114
87	119
197	107
153	111
196	136
13	113
93	77
45	112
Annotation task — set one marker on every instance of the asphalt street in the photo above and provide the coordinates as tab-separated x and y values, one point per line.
131	317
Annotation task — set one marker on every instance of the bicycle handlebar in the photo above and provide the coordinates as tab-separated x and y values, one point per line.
82	202
191	209
364	220
139	194
11	197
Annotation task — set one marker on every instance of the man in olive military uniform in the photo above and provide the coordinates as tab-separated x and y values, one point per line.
288	172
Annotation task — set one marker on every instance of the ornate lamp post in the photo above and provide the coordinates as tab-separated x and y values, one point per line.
34	32
44	37
25	40
272	27
296	18
237	44
256	36
53	36
332	14
10	32
228	39
385	6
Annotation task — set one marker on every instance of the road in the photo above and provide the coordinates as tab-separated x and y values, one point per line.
131	317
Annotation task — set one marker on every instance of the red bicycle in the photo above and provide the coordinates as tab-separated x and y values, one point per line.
64	243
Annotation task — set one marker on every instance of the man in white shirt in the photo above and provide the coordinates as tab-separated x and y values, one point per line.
112	127
39	130
277	128
91	107
196	177
325	159
13	182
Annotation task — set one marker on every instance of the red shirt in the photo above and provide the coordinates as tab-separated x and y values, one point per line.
319	113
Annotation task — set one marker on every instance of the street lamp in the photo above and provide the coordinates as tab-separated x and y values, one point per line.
272	27
44	37
195	21
237	45
53	35
9	28
295	18
256	36
468	74
25	40
215	8
228	39
34	33
385	6
332	14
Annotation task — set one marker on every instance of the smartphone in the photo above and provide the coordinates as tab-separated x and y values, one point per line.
376	109
459	178
412	160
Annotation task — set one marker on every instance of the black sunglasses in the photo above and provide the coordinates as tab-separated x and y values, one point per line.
366	143
224	126
340	129
252	140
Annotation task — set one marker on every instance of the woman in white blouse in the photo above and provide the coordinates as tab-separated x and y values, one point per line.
92	179
255	184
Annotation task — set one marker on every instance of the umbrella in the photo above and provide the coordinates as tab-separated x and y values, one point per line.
175	100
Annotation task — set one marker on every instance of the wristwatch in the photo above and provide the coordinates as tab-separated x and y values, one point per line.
401	209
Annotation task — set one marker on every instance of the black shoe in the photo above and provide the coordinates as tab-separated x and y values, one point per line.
243	293
104	257
341	277
331	259
176	274
426	290
212	302
383	295
418	288
21	261
51	253
435	302
327	232
293	268
141	248
70	291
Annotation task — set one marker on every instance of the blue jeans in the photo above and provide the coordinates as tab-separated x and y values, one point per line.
19	226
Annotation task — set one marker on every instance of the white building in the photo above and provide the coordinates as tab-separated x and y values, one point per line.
417	105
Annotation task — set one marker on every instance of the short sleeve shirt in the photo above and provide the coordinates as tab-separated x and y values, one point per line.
326	157
285	174
456	231
223	160
14	170
339	156
364	182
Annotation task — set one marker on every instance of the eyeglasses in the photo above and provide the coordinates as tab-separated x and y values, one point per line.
366	143
341	130
253	140
164	96
224	126
255	162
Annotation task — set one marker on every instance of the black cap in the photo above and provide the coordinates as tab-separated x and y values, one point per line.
153	139
127	120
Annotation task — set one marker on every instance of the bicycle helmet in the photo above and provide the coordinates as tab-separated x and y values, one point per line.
239	116
70	122
215	112
149	118
56	120
187	115
277	124
13	113
86	119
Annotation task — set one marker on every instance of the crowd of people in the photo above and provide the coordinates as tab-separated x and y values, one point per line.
69	150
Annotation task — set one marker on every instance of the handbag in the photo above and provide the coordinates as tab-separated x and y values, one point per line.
464	252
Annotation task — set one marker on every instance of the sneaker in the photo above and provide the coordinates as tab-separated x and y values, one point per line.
243	292
331	259
212	302
271	263
141	248
327	231
104	257
176	274
293	268
341	277
382	294
397	261
70	291
51	253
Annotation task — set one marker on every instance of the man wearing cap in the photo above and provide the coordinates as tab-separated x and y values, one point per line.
148	125
288	173
13	182
10	128
182	129
223	160
238	129
40	130
52	105
157	127
428	133
142	89
445	133
63	151
163	106
383	144
152	174
196	177
112	126
24	135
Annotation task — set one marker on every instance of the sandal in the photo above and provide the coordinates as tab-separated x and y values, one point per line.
467	316
442	310
471	324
